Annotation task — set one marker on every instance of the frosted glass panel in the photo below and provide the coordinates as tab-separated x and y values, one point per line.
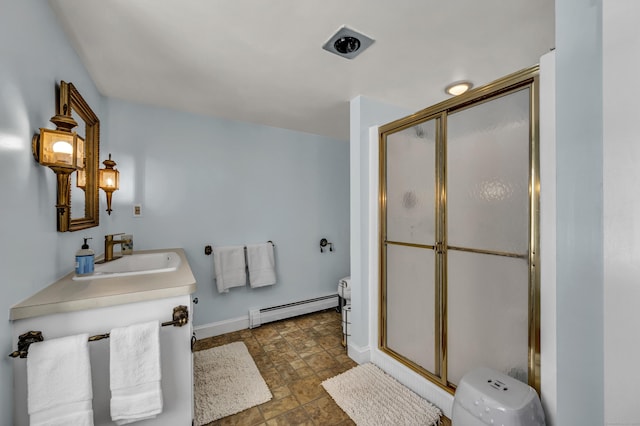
410	184
487	314
411	304
487	175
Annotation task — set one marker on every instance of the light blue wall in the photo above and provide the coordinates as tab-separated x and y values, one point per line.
203	181
579	150
364	113
35	56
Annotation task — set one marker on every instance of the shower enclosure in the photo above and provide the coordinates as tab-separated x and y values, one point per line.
459	190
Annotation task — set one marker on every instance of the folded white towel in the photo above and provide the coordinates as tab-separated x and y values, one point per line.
134	352
230	267
59	382
262	265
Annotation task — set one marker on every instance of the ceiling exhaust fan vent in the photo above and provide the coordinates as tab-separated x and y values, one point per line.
347	43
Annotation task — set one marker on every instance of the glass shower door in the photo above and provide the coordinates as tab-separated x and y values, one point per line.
488	236
411	303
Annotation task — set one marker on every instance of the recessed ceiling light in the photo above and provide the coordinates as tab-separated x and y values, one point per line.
347	43
458	88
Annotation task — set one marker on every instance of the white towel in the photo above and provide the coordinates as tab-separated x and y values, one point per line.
262	265
59	382
136	393
231	268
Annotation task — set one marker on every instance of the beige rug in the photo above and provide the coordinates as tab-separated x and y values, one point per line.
373	398
226	381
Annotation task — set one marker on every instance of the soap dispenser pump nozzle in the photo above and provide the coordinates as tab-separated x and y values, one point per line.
85	245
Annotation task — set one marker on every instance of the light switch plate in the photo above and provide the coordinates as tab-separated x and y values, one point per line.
137	210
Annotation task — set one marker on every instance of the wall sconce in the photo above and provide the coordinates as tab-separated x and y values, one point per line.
109	180
63	152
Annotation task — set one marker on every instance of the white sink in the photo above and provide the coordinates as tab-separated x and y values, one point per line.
134	264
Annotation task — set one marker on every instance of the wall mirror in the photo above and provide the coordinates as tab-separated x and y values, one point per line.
84	182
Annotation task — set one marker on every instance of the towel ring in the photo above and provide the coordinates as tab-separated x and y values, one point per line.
323	243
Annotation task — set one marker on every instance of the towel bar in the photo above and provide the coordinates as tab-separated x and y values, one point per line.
208	249
180	318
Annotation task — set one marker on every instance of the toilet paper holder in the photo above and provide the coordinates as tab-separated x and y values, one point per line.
324	243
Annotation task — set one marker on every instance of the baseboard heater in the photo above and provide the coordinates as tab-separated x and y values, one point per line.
257	317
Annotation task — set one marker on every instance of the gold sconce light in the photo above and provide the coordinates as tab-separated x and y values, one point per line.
63	152
109	180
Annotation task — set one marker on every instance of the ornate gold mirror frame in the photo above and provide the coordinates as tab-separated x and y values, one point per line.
69	95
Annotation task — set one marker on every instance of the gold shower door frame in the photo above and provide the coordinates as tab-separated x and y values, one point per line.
525	79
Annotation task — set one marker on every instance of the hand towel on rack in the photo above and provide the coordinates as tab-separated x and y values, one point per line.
230	267
134	352
262	265
59	382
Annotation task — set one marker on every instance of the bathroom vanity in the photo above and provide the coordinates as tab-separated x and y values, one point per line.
95	306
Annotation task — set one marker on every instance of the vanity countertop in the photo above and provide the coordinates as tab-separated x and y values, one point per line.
67	295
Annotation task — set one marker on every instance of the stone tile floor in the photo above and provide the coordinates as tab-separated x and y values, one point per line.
294	356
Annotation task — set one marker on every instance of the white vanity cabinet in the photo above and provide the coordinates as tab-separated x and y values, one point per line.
93	307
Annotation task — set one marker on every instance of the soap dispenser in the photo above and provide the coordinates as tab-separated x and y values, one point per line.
84	259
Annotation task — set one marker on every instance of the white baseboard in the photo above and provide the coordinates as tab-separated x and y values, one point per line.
359	354
221	327
290	310
242	323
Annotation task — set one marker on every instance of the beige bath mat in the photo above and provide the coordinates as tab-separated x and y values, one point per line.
373	398
226	381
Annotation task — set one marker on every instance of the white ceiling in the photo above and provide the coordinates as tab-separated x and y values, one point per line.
262	61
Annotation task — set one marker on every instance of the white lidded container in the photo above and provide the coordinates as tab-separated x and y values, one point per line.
488	397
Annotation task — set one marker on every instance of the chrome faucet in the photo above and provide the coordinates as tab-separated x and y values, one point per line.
109	242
